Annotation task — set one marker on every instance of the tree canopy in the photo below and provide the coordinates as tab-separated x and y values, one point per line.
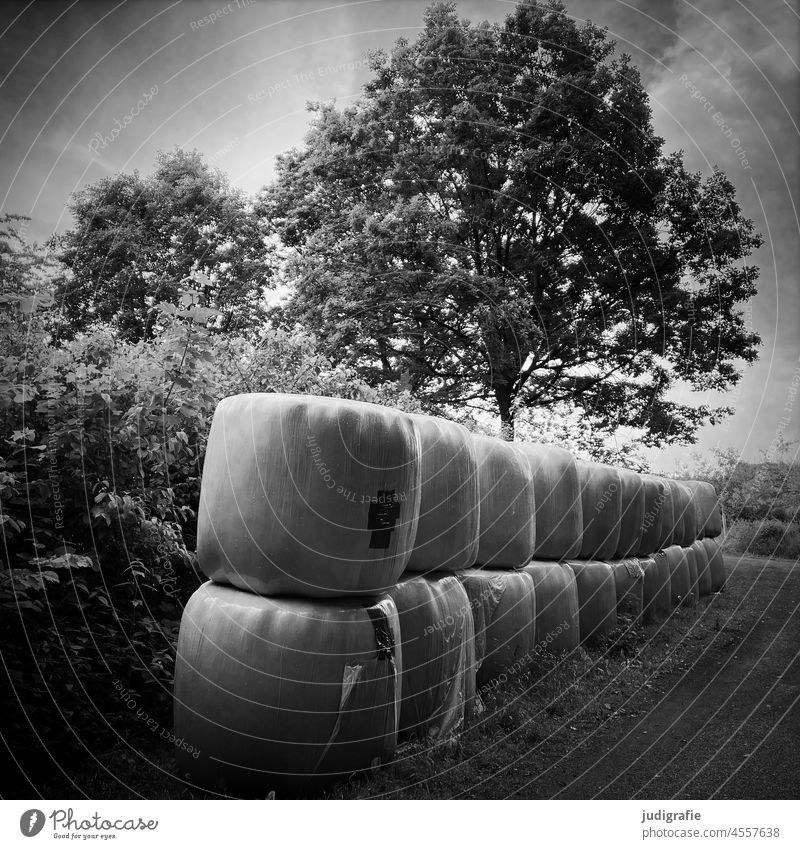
137	238
495	223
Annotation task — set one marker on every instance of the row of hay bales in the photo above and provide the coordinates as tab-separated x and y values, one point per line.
371	571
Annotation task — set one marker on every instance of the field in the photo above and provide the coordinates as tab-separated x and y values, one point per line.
702	706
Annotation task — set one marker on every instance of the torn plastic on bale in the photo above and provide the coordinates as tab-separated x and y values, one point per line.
455	706
358	683
284	694
438	689
629	587
484	605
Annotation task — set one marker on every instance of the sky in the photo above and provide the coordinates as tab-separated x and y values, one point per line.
90	88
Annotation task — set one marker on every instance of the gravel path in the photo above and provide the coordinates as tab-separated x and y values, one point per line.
723	723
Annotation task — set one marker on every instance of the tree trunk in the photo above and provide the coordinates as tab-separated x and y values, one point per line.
503	397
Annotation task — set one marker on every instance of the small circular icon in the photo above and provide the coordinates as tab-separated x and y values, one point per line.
31	822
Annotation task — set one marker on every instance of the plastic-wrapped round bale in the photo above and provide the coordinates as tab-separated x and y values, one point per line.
629	583
655	496
308	496
503	607
597	599
716	564
557	618
438	642
704	582
686	514
630	526
601	508
559	514
694	582
707	508
447	531
284	693
656	596
667	518
679	575
507	523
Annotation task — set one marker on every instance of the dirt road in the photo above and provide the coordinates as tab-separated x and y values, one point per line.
724	724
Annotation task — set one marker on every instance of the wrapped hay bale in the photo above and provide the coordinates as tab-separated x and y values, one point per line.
507	522
284	694
559	515
438	644
601	509
685	514
503	607
629	584
655	496
704	582
707	508
679	575
694	583
716	564
656	595
447	531
557	619
667	518
308	496
597	599
632	519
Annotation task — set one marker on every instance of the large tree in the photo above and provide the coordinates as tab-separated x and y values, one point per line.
136	239
495	223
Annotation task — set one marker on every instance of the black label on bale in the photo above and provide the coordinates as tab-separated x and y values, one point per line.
383	514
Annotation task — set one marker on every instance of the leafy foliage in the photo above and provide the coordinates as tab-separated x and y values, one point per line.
136	239
101	447
752	492
494	223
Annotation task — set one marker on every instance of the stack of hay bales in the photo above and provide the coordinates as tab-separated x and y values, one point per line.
371	569
556	480
436	615
502	597
289	661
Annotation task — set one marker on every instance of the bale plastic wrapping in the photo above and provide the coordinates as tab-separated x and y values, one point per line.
694	583
447	531
557	631
656	594
667	517
707	508
679	575
503	607
655	497
559	513
630	528
601	509
629	585
507	523
716	564
284	694
597	599
704	581
308	496
438	641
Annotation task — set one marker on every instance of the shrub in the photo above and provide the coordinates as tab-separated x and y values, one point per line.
100	465
768	538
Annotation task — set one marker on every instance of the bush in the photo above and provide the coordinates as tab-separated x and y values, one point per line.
100	466
769	538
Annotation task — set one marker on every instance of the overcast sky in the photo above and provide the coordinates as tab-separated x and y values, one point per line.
232	79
